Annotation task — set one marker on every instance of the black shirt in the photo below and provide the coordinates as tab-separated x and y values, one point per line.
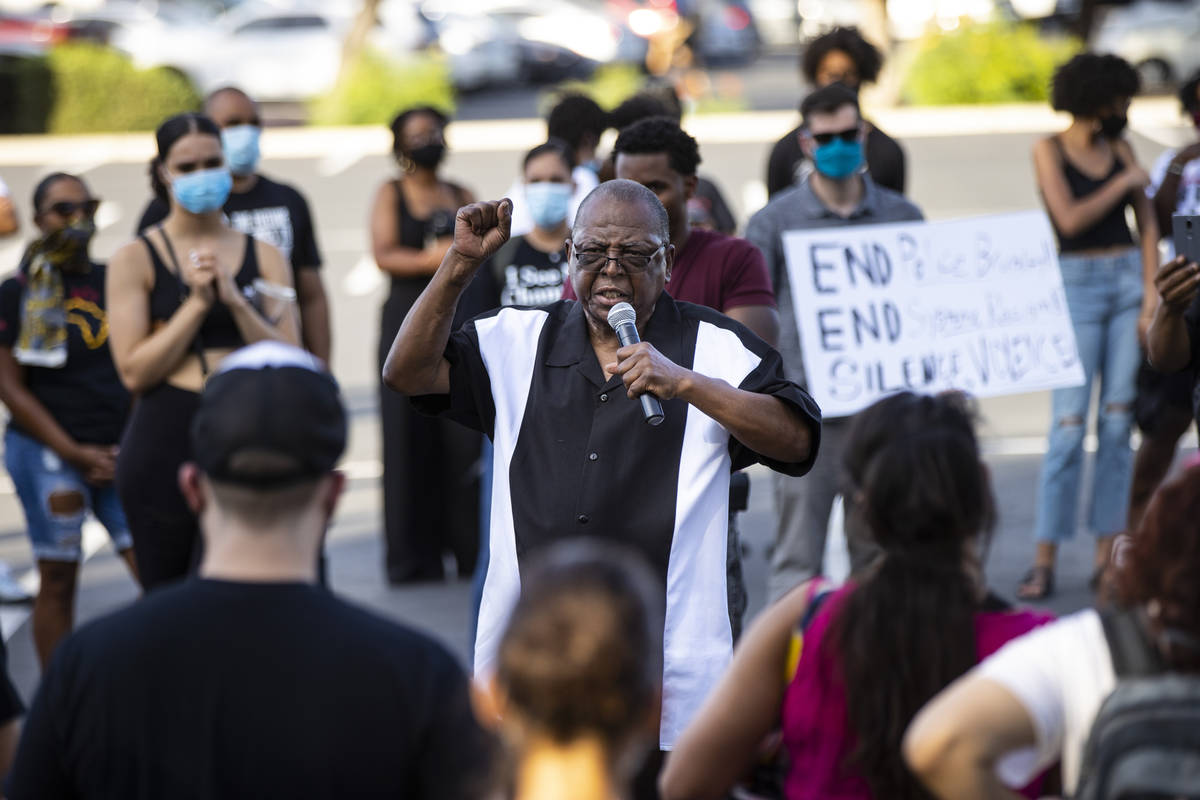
271	212
885	161
85	396
574	456
213	689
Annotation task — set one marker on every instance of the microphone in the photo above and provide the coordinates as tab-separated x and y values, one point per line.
622	319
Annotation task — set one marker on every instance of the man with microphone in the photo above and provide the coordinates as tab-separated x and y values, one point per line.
559	396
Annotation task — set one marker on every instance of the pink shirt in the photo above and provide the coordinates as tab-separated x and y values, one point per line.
816	731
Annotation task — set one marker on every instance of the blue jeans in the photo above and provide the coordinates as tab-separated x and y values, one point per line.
1104	295
37	472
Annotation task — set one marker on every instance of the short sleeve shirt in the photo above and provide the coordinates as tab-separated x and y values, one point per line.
574	456
718	271
1060	673
799	208
271	212
85	396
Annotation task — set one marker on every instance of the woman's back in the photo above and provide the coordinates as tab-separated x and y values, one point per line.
816	730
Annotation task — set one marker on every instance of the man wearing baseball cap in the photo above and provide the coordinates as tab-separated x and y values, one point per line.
250	680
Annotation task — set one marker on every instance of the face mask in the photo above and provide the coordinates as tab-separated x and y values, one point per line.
838	159
204	190
240	143
428	156
548	203
1113	126
68	244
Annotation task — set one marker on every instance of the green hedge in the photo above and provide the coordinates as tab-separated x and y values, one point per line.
376	87
97	89
993	63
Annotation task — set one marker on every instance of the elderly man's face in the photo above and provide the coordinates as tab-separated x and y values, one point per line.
618	229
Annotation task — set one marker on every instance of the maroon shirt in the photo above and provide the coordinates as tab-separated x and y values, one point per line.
715	270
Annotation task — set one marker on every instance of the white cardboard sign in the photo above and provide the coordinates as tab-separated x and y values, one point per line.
972	304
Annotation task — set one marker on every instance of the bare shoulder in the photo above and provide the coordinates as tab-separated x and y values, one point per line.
131	260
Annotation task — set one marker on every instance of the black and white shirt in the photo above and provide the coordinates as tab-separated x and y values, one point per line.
574	456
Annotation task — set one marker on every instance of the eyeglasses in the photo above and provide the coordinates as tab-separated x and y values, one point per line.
597	260
69	208
848	135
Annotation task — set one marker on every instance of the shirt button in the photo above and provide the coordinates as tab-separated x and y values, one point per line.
603	398
582	519
592	457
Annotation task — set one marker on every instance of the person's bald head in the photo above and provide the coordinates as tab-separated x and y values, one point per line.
230	106
601	200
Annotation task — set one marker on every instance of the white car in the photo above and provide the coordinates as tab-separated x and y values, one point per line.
1158	38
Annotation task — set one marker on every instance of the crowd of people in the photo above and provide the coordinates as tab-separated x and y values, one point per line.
571	380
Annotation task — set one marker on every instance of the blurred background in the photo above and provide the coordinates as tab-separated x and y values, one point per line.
356	61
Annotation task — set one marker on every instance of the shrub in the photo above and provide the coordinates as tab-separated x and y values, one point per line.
991	63
375	87
26	86
97	89
609	85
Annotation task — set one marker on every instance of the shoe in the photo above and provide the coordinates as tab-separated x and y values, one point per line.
1037	584
11	590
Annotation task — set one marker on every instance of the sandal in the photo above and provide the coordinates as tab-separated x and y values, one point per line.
1038	584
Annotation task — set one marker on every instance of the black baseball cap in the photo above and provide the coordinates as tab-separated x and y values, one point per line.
271	416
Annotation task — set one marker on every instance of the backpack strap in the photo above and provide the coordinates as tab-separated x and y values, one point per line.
1132	652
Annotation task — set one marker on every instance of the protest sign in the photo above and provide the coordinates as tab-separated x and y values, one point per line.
973	304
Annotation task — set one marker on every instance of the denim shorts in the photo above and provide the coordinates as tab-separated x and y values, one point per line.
37	472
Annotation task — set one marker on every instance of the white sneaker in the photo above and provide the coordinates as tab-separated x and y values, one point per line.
11	590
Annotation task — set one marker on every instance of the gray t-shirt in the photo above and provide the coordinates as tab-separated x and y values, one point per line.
798	208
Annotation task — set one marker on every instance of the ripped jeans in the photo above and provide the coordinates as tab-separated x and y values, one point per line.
1104	295
38	473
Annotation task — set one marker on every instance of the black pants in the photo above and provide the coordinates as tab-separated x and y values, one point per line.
166	535
430	483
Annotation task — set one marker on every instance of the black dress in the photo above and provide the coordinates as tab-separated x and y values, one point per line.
430	466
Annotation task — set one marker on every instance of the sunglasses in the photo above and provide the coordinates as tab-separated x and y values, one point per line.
68	208
848	135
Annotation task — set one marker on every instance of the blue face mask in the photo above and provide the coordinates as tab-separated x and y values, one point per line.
202	191
240	143
838	159
548	203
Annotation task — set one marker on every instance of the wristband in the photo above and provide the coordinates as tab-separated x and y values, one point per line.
1175	168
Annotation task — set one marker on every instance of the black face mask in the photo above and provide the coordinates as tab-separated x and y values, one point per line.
1111	127
428	156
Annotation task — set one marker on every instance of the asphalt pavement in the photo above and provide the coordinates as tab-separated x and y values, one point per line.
961	163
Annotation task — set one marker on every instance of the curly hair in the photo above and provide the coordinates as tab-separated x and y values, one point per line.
1089	82
643	105
912	463
399	121
1162	563
1187	94
582	653
660	135
866	56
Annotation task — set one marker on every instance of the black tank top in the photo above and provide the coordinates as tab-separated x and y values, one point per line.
1111	230
168	292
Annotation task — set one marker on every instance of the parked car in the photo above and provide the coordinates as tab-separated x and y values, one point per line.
1159	38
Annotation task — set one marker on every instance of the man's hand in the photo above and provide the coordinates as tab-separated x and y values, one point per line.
644	369
479	230
1177	282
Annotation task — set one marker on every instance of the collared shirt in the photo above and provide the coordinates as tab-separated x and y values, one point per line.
574	456
799	208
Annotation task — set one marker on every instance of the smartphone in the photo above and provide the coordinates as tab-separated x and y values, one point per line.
1186	232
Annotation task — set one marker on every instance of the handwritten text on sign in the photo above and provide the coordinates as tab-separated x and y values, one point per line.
974	304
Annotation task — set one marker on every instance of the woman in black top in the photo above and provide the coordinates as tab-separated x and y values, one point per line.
430	475
1088	176
182	297
840	56
67	405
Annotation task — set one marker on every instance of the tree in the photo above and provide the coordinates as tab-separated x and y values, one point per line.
356	39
